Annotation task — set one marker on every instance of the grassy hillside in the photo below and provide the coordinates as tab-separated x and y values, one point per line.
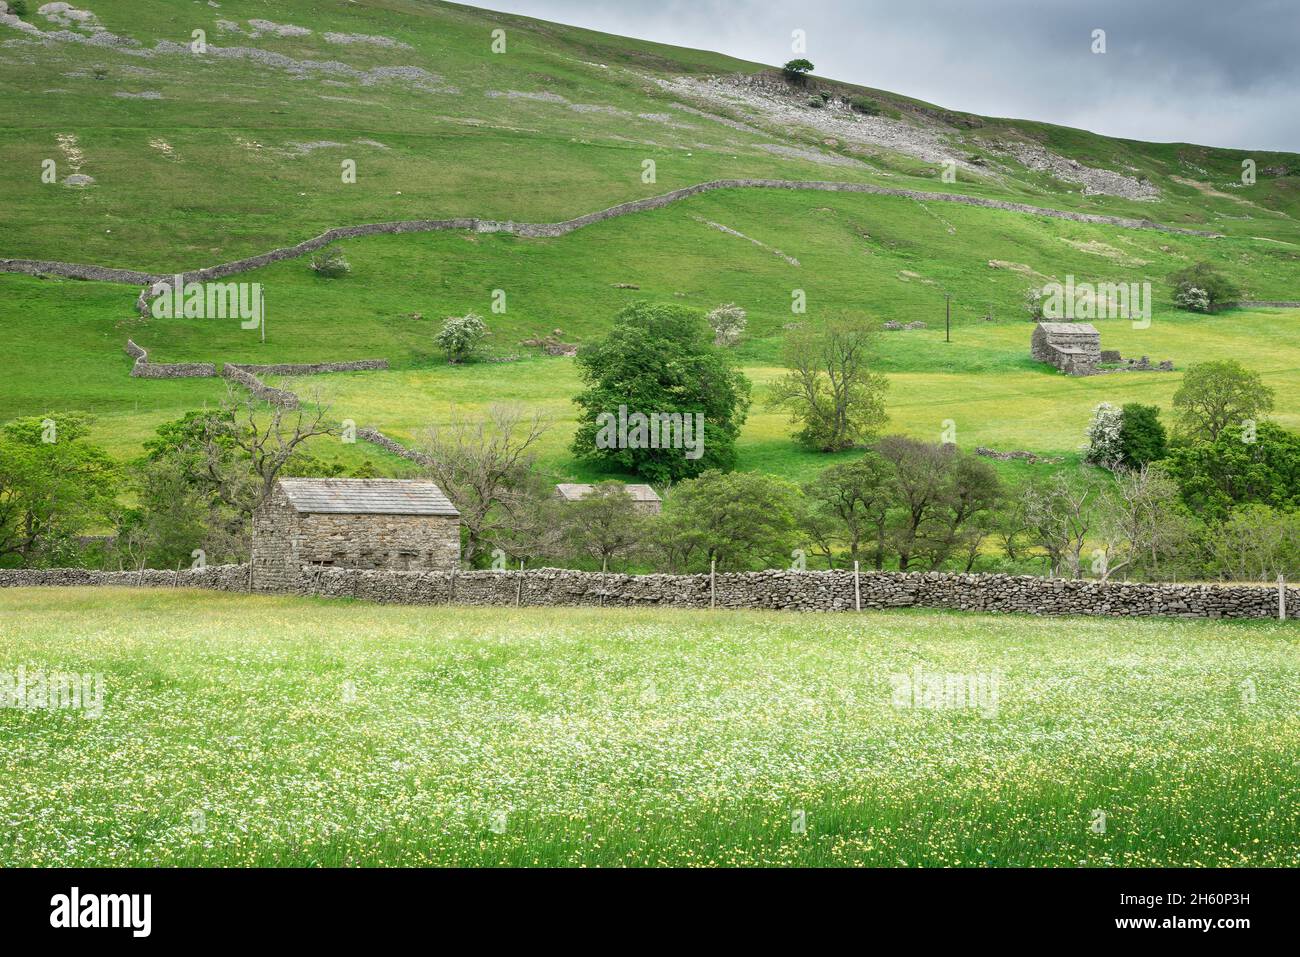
202	159
266	731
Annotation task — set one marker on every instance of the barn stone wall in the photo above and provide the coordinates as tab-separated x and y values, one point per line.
392	542
777	590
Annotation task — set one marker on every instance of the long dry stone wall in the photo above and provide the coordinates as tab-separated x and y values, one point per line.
222	270
775	590
144	369
215	577
281	397
375	437
315	368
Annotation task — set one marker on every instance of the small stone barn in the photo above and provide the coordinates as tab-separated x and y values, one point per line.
1073	347
643	497
388	524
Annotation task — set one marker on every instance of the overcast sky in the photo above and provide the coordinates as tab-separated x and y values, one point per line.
1216	72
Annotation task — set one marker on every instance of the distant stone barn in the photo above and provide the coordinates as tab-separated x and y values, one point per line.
1073	347
644	498
388	524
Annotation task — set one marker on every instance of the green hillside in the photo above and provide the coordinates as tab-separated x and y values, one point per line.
201	159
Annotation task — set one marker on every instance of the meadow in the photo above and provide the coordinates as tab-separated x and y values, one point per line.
258	730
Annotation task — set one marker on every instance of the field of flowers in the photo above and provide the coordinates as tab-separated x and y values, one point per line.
241	730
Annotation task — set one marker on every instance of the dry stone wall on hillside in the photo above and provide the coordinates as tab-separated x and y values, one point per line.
106	274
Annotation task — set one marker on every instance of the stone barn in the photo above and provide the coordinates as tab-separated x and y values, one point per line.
643	497
1073	347
389	524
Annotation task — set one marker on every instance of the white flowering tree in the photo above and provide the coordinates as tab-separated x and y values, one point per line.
460	336
1103	446
728	324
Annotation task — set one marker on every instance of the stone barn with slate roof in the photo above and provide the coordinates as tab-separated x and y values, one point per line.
389	524
1073	347
644	498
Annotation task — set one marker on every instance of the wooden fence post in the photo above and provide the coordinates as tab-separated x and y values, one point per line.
857	588
713	583
1281	597
519	584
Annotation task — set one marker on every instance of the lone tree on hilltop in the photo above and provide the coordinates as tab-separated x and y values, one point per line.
796	71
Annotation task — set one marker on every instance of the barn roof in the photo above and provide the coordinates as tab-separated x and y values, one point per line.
573	491
366	496
1069	328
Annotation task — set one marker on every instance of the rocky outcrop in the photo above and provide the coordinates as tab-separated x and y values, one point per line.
775	590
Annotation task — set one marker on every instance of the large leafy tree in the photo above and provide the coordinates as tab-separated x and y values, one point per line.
1214	476
1142	437
831	391
1218	395
848	505
660	359
742	520
54	486
606	524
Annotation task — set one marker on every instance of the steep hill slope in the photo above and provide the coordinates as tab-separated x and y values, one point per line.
169	159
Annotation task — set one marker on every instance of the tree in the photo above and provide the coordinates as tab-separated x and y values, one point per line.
483	466
605	524
740	520
1139	521
728	323
461	336
1215	476
919	477
1216	395
964	517
532	526
1201	287
659	363
1142	436
855	497
796	71
1104	446
1061	513
1256	543
203	476
329	263
263	439
830	389
54	485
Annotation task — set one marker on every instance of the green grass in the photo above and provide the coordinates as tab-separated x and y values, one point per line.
230	184
628	737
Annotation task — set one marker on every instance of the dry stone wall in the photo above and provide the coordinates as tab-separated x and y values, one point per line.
775	590
144	369
214	577
281	397
80	271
